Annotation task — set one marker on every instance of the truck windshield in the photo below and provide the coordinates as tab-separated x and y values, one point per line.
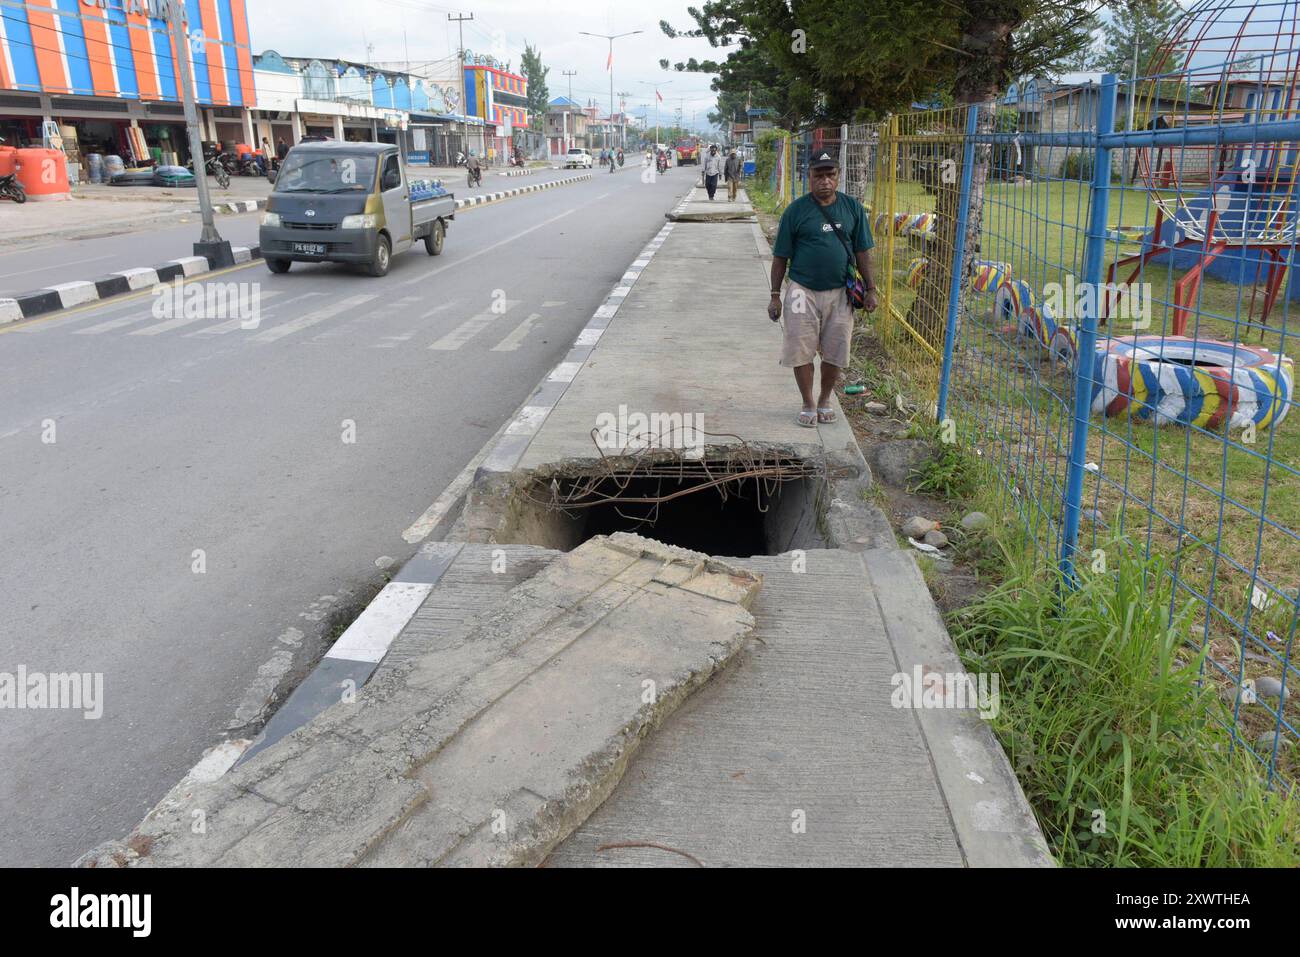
311	172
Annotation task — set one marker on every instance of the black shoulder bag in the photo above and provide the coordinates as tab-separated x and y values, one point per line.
855	290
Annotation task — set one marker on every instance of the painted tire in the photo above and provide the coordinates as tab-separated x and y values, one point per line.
1156	379
914	270
1014	297
1064	346
989	275
985	276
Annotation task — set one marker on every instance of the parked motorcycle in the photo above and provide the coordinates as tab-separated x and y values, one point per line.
212	166
10	188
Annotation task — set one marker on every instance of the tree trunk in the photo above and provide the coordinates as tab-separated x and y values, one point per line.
986	38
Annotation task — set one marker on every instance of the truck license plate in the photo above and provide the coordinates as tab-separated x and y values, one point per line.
309	249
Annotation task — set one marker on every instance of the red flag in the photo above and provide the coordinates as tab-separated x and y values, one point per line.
609	64
660	95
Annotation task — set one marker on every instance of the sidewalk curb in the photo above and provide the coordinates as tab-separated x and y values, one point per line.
65	295
506	193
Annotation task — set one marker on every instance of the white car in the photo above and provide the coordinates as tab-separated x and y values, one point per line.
577	158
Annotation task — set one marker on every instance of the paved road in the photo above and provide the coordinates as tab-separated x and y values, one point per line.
174	437
42	264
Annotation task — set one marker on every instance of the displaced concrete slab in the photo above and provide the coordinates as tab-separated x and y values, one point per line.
794	757
487	749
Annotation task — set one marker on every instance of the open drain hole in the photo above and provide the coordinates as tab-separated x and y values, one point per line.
715	507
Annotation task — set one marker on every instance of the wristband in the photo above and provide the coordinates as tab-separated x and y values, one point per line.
776	292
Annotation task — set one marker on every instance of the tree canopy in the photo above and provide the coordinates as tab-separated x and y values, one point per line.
832	61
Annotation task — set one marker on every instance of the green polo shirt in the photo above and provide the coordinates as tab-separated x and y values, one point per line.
818	259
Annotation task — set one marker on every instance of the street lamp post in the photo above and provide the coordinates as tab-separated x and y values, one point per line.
611	37
210	243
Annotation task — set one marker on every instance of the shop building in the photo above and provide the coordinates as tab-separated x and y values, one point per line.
103	69
499	98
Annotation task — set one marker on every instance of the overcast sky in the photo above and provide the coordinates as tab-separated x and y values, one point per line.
342	28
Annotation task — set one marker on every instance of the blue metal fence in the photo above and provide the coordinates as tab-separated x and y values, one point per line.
1117	344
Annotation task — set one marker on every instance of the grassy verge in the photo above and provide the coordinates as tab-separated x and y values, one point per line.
1122	749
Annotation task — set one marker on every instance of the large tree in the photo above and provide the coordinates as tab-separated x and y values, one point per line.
538	95
1138	26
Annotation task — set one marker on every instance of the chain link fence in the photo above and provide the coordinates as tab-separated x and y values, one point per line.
1098	306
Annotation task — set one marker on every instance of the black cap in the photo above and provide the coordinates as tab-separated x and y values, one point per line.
822	159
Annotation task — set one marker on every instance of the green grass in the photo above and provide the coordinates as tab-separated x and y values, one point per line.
1122	753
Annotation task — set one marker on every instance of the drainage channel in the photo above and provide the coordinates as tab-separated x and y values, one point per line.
739	507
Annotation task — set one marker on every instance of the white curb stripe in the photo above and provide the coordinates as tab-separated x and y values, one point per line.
10	311
138	278
75	293
367	639
192	265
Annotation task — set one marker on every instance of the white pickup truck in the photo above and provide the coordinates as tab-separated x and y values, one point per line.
350	203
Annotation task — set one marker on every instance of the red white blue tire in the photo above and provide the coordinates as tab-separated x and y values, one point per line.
1204	383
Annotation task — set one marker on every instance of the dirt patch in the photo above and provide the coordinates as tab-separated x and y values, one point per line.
957	574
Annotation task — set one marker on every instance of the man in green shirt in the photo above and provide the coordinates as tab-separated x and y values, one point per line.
811	244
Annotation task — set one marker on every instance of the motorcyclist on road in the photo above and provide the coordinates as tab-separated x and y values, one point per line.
475	169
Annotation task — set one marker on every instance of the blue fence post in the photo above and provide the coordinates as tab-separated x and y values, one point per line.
1093	261
958	261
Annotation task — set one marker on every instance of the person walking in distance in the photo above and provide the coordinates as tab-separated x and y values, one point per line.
712	170
824	241
732	172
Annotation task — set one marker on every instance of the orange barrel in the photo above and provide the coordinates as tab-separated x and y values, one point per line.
44	174
8	159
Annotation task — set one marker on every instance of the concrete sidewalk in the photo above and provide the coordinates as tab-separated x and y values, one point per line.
499	723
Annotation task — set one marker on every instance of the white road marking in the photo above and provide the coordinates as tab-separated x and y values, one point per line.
435	513
181	321
513	341
231	325
63	267
311	319
114	323
471	327
487	249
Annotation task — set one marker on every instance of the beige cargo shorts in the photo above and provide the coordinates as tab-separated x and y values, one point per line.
816	321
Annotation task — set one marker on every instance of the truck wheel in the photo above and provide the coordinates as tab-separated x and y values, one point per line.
433	242
383	257
278	265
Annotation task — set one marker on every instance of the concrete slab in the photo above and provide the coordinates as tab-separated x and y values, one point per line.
488	749
795	756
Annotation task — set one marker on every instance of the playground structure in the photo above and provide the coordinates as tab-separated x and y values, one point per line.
1222	207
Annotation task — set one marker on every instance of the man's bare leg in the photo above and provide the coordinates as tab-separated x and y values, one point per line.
830	375
803	377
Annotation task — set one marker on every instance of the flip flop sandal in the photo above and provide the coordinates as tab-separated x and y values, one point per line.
825	416
807	419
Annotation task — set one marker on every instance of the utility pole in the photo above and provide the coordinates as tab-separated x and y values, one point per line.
210	243
459	20
568	144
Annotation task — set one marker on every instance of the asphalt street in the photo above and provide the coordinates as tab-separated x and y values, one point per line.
185	502
44	263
